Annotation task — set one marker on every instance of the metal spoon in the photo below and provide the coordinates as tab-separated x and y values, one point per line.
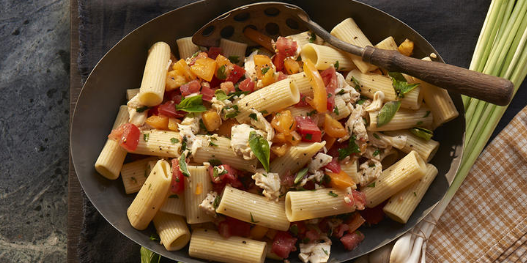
269	15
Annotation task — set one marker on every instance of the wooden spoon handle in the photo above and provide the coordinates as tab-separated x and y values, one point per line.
471	83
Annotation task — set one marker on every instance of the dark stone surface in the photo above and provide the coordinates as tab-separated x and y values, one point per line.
34	70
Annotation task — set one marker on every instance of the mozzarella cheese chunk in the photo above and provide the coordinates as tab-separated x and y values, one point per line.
345	91
369	171
136	118
249	66
315	252
262	124
208	204
187	129
376	104
320	160
269	182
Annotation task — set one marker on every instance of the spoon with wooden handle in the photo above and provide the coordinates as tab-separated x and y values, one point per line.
471	83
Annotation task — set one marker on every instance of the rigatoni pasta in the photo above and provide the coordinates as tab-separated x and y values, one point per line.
197	185
303	205
403	119
324	57
159	143
186	47
172	231
111	158
134	174
154	76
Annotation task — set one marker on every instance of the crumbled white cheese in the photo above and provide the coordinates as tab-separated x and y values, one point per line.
136	118
269	182
355	124
315	252
378	98
208	204
240	140
369	171
345	91
262	124
249	66
320	160
187	129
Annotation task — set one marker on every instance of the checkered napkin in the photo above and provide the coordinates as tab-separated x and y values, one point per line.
486	220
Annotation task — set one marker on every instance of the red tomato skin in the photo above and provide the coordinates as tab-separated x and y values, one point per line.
174	95
281	76
300	226
287	180
283	244
236	74
308	129
231	177
286	46
302	102
334	166
169	109
215	82
127	135
278	61
246	85
312	235
352	240
153	111
214	52
189	88
207	92
359	198
234	227
178	180
338	232
373	215
329	76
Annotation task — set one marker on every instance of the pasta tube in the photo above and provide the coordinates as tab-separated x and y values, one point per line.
196	188
134	174
172	231
155	74
186	47
426	149
324	57
303	205
295	158
403	119
111	158
221	150
159	143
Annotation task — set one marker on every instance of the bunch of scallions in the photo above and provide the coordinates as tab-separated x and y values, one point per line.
501	51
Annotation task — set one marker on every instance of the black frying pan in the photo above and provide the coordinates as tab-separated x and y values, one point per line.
122	67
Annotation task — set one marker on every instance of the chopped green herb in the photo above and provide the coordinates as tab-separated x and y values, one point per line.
325	180
215	172
400	84
216	202
341	92
426	114
133	180
260	148
415	194
252	219
312	37
195	54
336	110
300	175
309	136
141	109
202	125
192	104
146	136
325	251
352	148
329	95
183	165
148	256
214	162
332	194
174	140
419	123
174	196
220	95
264	70
220	73
294	230
234	113
422	133
149	186
234	59
311	113
253	116
336	65
356	82
361	101
376	152
372	185
213	144
387	112
154	237
264	112
376	136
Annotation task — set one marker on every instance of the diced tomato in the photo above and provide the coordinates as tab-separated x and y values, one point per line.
338	232
127	135
298	229
227	87
308	129
246	85
236	74
360	199
312	234
323	225
352	240
278	61
200	55
189	88
287	180
286	46
283	244
206	91
153	111
373	215
234	227
230	177
302	102
174	96
178	180
215	82
281	76
310	185
333	151
214	52
169	109
329	76
334	165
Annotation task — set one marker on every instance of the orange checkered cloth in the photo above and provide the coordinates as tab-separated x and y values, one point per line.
486	220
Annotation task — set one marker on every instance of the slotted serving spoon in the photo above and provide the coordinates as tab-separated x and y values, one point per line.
290	19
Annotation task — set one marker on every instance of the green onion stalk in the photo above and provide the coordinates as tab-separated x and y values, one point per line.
501	51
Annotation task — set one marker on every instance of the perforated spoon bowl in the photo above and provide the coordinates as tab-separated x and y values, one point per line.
291	19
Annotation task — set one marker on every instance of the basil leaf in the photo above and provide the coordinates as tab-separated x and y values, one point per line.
312	37
174	140
253	116
387	112
422	133
214	162
350	149
400	85
141	109
332	194
183	165
264	70
260	148
216	202
192	104
220	73
356	82
336	65
148	256
234	59
220	95
300	175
